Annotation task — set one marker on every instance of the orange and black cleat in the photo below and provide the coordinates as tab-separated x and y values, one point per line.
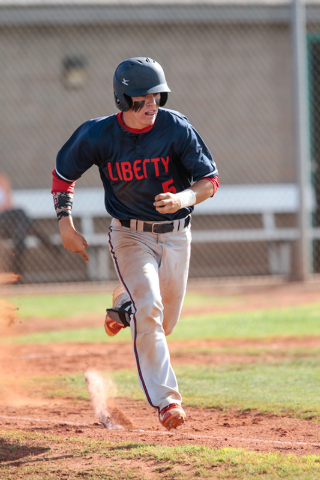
118	317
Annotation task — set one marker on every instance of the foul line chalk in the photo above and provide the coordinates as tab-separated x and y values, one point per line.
153	432
44	420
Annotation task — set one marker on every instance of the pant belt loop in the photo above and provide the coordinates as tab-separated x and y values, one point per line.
140	225
133	224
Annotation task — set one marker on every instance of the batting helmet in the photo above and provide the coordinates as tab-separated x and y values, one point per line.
138	76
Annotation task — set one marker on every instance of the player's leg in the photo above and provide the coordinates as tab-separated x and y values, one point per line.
137	257
173	274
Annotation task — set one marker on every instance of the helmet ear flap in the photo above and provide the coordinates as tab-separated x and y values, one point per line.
117	100
129	102
163	98
125	103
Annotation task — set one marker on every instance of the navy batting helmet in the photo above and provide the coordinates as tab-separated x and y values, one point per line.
138	76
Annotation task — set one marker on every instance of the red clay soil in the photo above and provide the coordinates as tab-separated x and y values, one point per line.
214	428
208	427
66	358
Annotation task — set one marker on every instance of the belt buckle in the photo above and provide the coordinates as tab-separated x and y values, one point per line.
153	226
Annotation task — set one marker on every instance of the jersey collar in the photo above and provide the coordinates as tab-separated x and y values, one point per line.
132	130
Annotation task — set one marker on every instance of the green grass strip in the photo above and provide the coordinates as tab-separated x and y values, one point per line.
180	463
61	306
74	305
283	388
296	321
290	387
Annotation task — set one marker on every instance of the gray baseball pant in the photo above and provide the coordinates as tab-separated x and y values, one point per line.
153	268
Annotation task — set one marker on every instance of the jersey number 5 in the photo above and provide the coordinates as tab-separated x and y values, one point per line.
167	187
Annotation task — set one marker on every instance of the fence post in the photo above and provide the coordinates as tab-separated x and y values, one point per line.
301	131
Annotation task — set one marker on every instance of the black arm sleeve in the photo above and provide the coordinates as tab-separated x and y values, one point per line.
63	202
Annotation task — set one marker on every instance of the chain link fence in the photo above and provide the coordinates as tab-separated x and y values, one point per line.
313	44
229	68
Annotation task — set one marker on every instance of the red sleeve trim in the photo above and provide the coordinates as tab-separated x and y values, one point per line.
215	183
59	185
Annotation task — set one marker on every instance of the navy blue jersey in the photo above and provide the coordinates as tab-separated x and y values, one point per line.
135	167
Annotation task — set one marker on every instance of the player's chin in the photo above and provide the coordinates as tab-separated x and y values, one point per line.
149	122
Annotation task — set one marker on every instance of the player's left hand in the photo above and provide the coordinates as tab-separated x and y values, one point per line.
167	203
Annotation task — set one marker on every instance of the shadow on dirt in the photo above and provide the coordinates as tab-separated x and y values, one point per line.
32	460
13	451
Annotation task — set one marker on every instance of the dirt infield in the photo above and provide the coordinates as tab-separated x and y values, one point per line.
211	427
214	428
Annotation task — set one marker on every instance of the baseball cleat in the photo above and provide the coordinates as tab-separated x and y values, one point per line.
113	325
172	416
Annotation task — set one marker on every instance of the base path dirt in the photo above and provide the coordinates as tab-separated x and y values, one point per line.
139	422
214	428
67	358
211	427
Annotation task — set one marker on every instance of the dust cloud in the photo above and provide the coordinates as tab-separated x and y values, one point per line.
98	391
12	391
8	314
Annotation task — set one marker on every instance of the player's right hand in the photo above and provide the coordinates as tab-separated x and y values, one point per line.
71	239
167	202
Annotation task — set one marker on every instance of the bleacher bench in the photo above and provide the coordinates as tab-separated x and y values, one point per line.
266	200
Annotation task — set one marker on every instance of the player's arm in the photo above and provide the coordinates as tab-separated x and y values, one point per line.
76	156
63	193
197	193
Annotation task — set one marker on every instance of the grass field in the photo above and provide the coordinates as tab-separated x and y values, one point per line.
260	375
74	305
300	321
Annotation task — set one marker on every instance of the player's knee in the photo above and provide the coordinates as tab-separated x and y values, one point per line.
168	330
170	320
149	317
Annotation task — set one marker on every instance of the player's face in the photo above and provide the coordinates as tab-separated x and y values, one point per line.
143	111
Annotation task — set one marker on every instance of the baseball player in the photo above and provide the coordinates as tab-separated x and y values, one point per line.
154	167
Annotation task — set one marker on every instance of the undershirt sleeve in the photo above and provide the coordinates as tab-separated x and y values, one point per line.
59	185
215	183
